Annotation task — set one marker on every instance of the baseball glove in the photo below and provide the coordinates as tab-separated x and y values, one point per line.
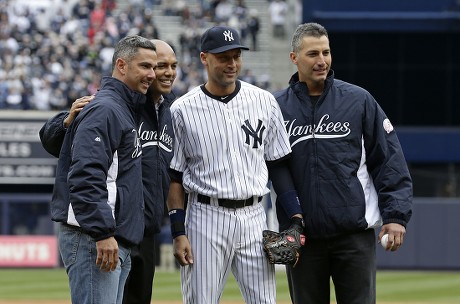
283	247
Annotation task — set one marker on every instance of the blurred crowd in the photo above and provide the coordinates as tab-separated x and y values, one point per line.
55	51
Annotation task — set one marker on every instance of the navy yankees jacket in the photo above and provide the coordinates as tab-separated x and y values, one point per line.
156	135
157	138
98	184
347	163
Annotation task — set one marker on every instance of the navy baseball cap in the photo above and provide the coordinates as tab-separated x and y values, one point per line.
219	39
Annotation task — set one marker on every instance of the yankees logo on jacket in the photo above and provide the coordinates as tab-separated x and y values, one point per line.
157	138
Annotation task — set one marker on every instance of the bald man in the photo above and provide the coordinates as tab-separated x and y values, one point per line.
156	135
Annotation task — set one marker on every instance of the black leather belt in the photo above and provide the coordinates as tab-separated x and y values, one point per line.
228	203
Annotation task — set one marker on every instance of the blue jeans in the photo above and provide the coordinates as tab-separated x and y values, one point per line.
88	284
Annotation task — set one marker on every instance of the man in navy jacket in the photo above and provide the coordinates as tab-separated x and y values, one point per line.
156	136
98	194
350	174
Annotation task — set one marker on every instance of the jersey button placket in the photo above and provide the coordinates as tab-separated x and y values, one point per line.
232	146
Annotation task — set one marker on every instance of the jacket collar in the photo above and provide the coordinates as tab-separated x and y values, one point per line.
131	97
169	98
301	88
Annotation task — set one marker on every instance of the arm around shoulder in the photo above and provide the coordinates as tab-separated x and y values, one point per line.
52	133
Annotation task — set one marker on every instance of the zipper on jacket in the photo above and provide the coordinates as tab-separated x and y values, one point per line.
158	115
313	127
315	188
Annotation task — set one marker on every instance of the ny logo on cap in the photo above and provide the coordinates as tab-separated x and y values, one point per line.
228	35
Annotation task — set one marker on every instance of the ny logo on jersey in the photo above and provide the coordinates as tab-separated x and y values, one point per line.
256	134
228	35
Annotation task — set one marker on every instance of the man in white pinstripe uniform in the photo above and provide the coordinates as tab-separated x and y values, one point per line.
229	136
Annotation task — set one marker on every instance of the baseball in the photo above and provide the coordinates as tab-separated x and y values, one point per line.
384	241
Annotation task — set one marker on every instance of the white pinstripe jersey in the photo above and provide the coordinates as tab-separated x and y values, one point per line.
221	148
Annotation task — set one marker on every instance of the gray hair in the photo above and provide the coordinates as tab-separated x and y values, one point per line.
129	46
307	29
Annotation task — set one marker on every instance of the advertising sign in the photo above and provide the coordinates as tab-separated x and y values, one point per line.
28	251
22	157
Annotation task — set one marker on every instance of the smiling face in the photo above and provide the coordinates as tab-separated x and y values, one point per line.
223	70
139	72
165	71
313	60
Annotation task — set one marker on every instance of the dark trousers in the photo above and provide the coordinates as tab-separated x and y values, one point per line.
138	287
350	260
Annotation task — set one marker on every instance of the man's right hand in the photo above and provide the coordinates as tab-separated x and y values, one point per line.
183	250
107	254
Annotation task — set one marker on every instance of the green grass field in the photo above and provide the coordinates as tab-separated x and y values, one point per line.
392	286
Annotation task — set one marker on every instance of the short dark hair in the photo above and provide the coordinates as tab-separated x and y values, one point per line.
129	46
307	29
